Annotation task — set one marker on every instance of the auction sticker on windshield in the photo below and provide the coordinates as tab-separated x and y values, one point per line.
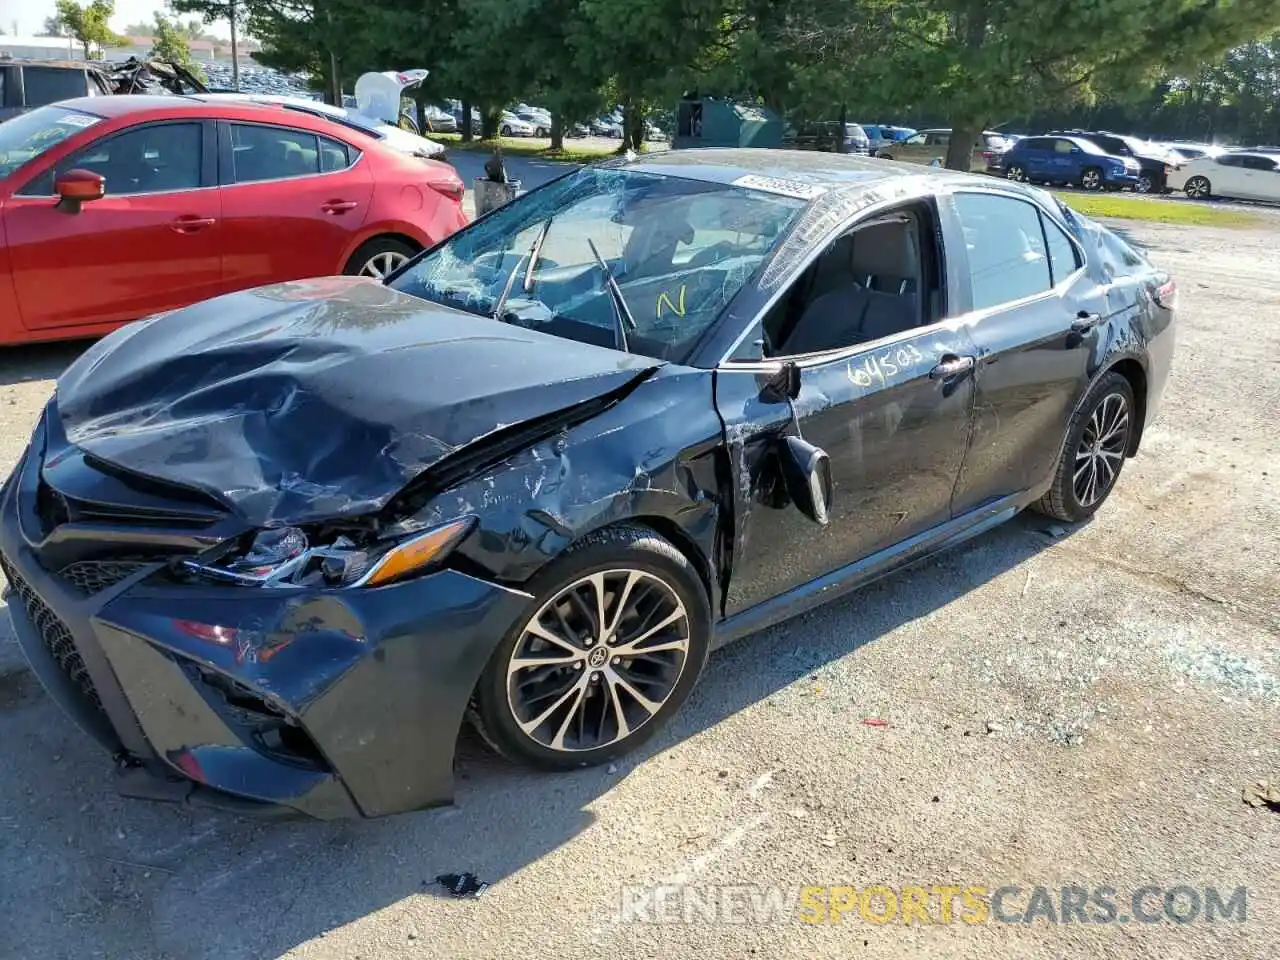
778	185
78	120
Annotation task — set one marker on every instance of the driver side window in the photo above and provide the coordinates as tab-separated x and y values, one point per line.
157	158
880	279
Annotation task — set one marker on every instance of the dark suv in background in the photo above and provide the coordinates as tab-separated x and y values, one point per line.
1153	160
825	134
27	84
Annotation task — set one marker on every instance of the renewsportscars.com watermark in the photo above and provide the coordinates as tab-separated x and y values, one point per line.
931	904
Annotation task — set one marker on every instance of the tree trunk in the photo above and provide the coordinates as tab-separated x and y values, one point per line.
557	132
420	110
632	127
465	129
489	126
964	135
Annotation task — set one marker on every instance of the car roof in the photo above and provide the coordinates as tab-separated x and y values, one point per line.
197	105
726	164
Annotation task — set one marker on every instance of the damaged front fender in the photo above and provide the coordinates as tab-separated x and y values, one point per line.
655	457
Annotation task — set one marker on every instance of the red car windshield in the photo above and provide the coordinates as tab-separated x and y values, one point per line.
25	137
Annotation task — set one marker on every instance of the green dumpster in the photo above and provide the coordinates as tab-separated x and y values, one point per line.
709	122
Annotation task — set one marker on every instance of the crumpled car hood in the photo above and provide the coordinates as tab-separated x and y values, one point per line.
317	399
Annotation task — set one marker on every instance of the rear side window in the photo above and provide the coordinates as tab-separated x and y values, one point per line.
335	155
1064	259
261	152
1006	249
46	85
1258	163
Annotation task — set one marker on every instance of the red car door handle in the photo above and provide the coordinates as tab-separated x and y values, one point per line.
339	206
191	224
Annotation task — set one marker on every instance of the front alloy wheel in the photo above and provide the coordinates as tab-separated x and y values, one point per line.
598	660
1197	188
1091	179
1017	174
611	648
1145	184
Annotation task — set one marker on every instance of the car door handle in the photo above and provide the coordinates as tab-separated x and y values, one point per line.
950	367
1084	322
191	224
339	206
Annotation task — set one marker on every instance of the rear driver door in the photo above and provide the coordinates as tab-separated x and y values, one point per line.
292	201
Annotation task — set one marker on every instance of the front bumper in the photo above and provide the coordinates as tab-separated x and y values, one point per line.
335	703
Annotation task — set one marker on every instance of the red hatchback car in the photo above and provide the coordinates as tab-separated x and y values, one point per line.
114	208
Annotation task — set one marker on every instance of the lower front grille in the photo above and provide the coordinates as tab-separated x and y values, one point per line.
55	634
93	576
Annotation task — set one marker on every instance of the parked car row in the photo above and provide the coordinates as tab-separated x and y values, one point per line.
1100	160
163	201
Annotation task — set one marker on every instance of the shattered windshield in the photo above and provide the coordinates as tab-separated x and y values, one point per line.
678	249
30	134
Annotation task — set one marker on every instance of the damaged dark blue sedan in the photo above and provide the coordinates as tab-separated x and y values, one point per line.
276	548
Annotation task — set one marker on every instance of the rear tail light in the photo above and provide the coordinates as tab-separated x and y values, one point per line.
1166	295
451	187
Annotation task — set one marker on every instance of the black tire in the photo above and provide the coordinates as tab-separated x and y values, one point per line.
1198	188
1146	184
1065	501
1016	173
1091	179
617	549
380	250
505	130
886	156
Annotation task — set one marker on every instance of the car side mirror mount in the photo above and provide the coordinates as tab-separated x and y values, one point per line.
76	187
782	386
806	473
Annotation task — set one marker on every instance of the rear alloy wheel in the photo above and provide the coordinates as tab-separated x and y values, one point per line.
1197	188
505	131
1016	173
379	258
1145	184
1094	453
1091	179
612	648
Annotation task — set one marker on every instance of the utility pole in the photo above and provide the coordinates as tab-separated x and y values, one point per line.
235	55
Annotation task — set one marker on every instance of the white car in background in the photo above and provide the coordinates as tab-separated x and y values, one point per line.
512	126
404	141
1239	174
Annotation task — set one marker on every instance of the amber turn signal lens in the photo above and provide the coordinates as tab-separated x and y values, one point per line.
418	553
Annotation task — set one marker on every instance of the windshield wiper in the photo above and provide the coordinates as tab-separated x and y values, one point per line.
623	320
535	250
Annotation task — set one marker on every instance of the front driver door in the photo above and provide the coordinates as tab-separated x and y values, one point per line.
895	427
153	242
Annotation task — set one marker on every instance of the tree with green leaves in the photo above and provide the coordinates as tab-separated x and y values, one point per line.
171	44
981	62
88	24
214	11
52	27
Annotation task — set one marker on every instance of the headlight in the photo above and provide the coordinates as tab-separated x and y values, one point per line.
285	557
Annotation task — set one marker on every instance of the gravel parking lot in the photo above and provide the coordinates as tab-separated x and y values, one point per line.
1063	706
